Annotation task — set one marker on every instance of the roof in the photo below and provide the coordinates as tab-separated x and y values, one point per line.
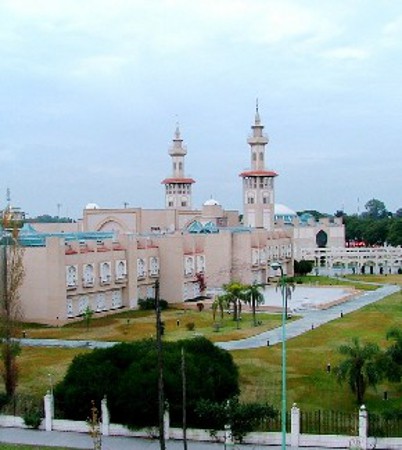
283	210
178	180
211	202
258	173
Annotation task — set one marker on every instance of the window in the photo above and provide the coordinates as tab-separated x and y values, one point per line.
69	307
100	302
121	269
200	263
141	268
188	266
105	273
88	275
71	276
153	266
116	299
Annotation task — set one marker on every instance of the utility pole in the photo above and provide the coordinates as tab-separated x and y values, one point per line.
161	396
184	388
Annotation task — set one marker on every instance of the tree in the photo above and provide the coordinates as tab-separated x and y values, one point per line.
375	209
316	214
253	296
234	293
360	368
394	236
127	374
398	213
220	302
10	308
303	267
376	231
393	356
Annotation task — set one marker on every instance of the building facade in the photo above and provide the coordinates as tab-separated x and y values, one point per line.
113	257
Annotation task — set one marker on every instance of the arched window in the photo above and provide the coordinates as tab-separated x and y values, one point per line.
321	239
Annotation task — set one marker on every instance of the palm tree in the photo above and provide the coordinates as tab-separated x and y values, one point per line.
288	288
254	297
220	302
234	293
360	368
393	355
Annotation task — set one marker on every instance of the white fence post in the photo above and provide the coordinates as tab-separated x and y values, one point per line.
105	417
363	427
48	400
295	427
166	423
229	441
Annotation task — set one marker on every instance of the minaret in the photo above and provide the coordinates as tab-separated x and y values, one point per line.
178	187
258	183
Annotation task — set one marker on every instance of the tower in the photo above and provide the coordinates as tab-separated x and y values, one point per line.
258	183
178	187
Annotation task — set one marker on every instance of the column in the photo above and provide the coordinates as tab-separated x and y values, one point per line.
295	426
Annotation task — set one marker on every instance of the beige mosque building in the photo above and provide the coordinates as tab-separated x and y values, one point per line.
113	257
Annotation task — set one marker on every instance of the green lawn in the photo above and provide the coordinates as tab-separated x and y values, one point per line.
309	385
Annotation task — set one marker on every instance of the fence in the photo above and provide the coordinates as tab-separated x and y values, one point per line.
360	431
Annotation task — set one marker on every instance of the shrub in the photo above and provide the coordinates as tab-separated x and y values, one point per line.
190	326
200	306
149	303
32	417
119	373
242	417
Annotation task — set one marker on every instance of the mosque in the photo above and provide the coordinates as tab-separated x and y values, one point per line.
113	257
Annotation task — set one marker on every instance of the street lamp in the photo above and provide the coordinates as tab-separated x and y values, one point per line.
278	266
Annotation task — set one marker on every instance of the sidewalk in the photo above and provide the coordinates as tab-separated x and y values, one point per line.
84	441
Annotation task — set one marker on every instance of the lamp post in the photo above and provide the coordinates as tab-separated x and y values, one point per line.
278	266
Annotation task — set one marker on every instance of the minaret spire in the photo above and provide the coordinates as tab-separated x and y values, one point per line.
178	187
257	114
258	183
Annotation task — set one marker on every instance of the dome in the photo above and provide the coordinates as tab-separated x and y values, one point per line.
282	210
211	202
92	206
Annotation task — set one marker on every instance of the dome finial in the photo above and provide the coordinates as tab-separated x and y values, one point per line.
177	132
257	114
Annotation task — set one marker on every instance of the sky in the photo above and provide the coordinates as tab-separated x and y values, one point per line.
91	91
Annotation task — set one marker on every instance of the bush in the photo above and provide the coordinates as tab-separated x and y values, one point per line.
32	417
127	374
149	303
4	399
242	417
190	326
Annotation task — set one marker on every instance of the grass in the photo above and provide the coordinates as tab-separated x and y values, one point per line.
309	384
134	325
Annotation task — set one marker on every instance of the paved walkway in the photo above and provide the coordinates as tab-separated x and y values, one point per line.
84	441
311	319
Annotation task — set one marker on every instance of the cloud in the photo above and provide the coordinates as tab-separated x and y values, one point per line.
392	33
346	53
99	66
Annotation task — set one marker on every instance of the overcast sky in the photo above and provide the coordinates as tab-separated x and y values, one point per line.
91	90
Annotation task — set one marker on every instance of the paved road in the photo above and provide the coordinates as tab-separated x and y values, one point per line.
313	318
84	441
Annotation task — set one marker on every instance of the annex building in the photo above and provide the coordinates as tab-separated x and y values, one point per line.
112	257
